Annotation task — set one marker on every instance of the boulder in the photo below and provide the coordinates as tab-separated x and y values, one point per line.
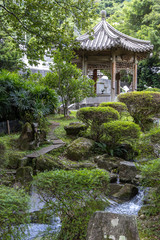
24	175
79	149
107	163
74	128
126	192
26	137
114	188
45	162
127	171
112	226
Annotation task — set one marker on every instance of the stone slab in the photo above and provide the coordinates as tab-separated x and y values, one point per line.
57	141
112	226
43	151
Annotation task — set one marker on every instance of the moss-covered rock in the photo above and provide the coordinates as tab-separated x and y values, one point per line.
24	175
107	163
46	162
14	159
127	192
79	149
127	172
75	128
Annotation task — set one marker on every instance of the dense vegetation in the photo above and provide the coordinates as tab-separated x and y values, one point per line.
24	99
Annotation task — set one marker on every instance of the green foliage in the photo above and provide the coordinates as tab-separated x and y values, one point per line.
40	26
68	81
141	105
13	213
152	89
77	195
153	136
151	178
10	53
95	116
119	106
120	131
20	99
147	74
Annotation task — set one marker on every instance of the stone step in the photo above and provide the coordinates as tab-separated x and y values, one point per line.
43	151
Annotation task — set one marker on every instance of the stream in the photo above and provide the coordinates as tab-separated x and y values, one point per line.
38	230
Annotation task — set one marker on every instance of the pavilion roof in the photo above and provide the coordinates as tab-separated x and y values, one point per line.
105	37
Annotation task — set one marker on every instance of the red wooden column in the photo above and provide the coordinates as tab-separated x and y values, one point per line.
113	79
135	66
95	79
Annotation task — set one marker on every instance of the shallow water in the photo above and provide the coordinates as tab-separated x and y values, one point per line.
131	207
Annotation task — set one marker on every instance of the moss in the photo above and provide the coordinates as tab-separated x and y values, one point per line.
24	174
79	149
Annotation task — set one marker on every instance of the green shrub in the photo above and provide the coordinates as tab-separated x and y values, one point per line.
151	178
152	90
77	195
119	106
13	213
141	105
19	98
120	131
153	136
94	117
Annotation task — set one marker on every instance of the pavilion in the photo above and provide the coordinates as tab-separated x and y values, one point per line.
108	49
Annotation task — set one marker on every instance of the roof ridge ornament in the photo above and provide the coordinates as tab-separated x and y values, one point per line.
103	14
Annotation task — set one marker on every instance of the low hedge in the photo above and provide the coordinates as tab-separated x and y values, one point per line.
120	131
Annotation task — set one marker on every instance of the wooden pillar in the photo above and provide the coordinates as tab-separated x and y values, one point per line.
135	65
118	82
95	79
113	79
84	66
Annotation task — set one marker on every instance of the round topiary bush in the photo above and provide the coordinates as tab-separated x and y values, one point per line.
94	117
119	106
120	131
141	105
97	115
153	136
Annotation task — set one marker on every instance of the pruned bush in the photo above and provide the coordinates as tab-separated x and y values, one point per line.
141	105
120	131
94	117
119	106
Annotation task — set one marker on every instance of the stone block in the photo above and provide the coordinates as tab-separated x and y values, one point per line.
111	226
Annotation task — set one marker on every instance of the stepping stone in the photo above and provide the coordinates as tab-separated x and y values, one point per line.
43	151
58	141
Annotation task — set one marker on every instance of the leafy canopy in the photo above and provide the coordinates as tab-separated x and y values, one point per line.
39	26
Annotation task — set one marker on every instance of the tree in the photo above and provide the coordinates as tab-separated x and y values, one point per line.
68	81
38	26
10	54
141	19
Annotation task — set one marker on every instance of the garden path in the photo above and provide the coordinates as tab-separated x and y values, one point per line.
56	143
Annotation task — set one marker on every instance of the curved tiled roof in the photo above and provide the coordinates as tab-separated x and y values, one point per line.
105	37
